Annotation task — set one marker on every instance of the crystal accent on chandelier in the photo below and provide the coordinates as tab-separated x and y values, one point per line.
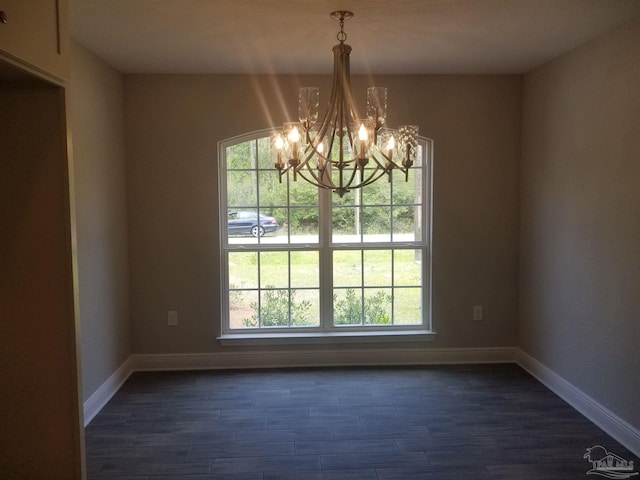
308	103
377	105
342	152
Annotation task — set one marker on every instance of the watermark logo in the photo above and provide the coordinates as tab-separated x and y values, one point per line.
607	464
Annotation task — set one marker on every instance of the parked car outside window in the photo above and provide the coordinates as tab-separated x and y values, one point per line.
250	223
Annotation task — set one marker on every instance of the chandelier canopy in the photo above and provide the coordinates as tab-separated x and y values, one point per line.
343	152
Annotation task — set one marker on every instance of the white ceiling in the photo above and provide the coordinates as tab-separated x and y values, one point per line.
296	36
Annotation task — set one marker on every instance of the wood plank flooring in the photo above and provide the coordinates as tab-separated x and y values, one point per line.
398	423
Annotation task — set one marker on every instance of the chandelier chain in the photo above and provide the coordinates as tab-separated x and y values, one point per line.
342	35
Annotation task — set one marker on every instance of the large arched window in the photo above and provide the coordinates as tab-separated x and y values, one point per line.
296	259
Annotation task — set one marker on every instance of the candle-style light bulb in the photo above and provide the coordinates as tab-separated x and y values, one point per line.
362	133
363	136
390	146
279	144
320	150
294	137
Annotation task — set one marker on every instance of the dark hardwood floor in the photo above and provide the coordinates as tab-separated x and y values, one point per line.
397	423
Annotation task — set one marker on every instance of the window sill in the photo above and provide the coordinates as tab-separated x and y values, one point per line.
312	338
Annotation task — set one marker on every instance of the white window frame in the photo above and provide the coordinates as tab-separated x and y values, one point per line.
326	331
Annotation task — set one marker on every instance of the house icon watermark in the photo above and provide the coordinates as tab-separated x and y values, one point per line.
607	464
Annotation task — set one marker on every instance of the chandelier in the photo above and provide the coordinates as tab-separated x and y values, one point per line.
343	152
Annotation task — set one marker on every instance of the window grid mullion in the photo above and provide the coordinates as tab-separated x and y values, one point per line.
325	252
254	162
393	279
254	165
391	233
289	284
259	289
362	286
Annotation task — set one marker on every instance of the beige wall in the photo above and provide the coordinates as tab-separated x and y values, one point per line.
97	113
173	124
580	219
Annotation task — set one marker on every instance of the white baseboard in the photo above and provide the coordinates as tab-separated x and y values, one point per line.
298	358
321	358
625	433
108	389
613	425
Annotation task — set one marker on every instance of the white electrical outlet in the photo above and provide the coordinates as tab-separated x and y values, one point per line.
172	318
477	312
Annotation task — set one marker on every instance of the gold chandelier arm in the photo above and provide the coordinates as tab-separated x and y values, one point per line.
309	152
390	163
314	180
350	181
373	176
335	119
282	171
